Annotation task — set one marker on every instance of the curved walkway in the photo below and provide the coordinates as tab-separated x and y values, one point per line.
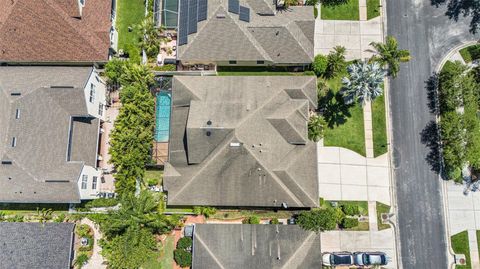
96	261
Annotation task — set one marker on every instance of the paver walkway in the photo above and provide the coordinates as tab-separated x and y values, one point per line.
96	261
472	242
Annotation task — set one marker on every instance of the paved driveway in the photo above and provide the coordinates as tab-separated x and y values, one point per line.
346	175
383	241
355	36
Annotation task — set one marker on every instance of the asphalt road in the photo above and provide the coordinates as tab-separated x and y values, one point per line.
429	35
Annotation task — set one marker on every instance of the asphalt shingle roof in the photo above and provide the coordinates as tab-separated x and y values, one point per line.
36	246
242	141
40	172
282	37
255	246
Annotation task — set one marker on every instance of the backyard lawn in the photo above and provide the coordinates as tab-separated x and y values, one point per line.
129	14
347	11
460	246
373	9
379	127
382	208
164	260
345	122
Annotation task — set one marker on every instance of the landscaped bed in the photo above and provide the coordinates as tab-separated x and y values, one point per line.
382	209
460	246
470	53
362	210
373	9
254	71
239	214
129	14
345	122
347	11
379	126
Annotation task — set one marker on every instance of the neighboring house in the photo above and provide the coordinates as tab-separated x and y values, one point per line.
244	33
237	246
50	126
36	245
242	142
55	31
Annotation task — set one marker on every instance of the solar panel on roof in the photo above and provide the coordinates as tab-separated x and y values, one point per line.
244	14
202	10
192	16
233	6
183	23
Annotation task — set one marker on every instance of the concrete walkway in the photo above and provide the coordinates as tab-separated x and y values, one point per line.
368	127
372	216
472	242
96	261
363	9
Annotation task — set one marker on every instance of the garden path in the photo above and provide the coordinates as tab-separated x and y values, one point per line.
96	261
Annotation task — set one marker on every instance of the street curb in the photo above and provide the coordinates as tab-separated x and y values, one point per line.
393	197
444	182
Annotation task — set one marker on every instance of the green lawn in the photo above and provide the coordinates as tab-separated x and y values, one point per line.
164	260
373	9
379	127
129	14
382	208
363	208
478	241
153	175
345	122
347	11
460	246
470	53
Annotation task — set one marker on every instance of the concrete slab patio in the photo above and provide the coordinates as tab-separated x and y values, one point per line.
355	36
346	175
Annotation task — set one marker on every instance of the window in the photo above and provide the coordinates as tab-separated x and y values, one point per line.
82	2
17	114
232	62
260	62
100	109
14	142
94	183
84	182
92	93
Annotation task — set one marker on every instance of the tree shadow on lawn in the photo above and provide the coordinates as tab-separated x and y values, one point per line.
333	108
430	138
457	8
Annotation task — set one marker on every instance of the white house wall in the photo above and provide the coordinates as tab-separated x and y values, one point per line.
89	192
99	96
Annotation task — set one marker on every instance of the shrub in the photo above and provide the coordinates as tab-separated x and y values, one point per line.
113	70
315	12
81	259
206	211
318	219
251	220
101	202
308	73
166	67
350	210
348	223
60	218
182	258
274	221
184	243
319	65
82	230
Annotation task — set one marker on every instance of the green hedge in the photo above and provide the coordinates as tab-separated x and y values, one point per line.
182	258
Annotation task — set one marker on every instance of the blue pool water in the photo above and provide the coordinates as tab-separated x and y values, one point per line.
162	116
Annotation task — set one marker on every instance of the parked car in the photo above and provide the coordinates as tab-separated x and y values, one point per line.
370	258
337	258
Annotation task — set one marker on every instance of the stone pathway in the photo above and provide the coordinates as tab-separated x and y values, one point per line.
96	261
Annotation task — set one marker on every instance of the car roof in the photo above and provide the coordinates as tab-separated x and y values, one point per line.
342	258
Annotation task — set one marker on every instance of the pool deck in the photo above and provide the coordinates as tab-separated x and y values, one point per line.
160	152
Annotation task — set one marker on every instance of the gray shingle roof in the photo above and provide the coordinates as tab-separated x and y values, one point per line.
33	246
282	37
242	141
42	133
255	246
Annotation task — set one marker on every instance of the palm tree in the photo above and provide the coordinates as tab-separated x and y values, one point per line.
336	61
316	126
150	36
44	215
389	55
364	83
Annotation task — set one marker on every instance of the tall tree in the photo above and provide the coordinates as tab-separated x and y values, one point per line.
390	55
364	82
336	62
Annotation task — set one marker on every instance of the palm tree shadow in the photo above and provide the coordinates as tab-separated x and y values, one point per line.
333	108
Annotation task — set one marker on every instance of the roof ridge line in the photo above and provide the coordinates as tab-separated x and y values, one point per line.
301	33
308	239
300	187
208	250
211	156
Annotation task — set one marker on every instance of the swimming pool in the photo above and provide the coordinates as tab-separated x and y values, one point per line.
162	116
